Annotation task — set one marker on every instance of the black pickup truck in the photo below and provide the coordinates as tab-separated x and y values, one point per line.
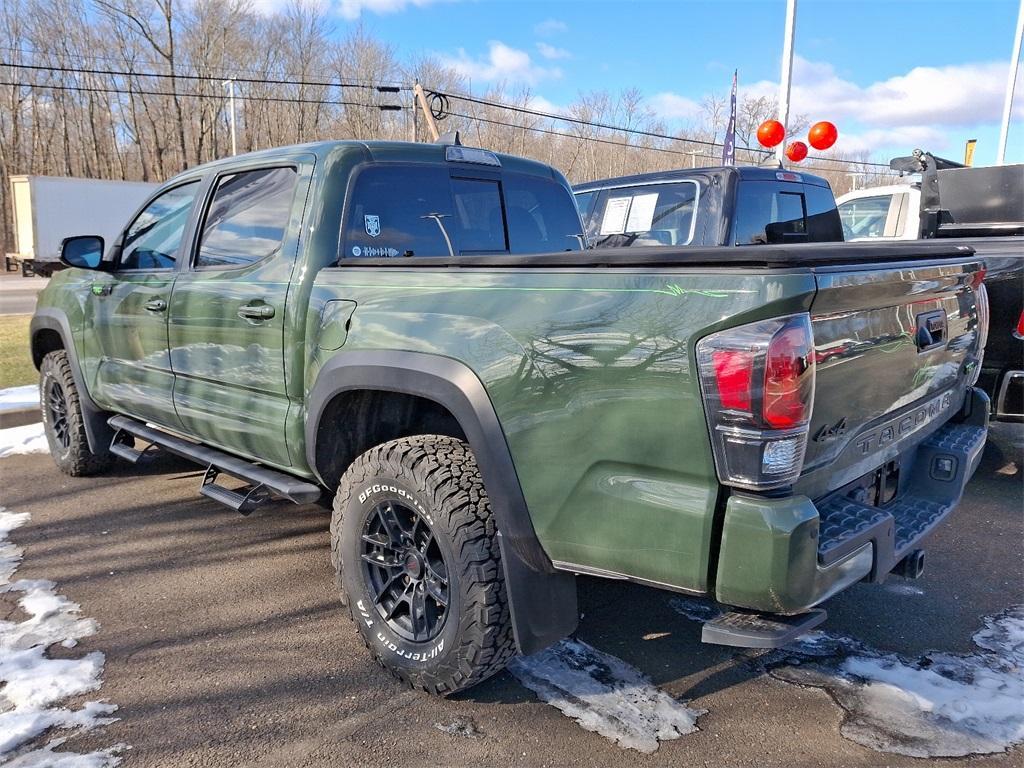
980	208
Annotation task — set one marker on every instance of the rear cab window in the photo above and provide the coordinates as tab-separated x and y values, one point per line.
650	214
770	212
409	210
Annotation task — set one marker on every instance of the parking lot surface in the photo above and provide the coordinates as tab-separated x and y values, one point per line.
225	643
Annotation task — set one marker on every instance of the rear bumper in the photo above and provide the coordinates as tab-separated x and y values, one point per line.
787	555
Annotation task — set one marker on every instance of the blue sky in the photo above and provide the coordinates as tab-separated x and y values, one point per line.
891	75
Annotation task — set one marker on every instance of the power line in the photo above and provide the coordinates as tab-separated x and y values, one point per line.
141	92
208	78
665	150
624	129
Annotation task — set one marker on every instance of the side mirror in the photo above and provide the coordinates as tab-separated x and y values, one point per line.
84	251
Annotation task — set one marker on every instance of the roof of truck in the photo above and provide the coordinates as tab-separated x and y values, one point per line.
391	151
744	172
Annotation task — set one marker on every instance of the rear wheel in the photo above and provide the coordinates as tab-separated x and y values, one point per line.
416	555
63	422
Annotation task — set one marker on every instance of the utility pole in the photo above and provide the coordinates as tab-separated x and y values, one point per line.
854	175
1011	82
428	117
693	158
786	79
231	113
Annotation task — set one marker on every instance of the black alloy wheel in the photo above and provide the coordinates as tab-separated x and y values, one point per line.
57	406
405	571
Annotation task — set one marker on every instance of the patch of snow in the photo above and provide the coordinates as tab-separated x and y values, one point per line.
31	681
903	589
20	440
939	705
605	695
19	398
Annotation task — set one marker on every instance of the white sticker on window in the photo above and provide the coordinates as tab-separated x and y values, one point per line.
615	212
372	225
641	213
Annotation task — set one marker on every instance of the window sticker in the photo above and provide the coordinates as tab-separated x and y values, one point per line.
375	252
641	213
372	225
615	212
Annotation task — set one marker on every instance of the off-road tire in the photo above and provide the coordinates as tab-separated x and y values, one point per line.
73	458
438	476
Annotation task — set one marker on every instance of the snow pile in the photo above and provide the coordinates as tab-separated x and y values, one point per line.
940	705
605	695
19	440
19	398
31	681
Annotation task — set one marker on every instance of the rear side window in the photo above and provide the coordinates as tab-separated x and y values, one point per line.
654	214
408	210
542	216
770	212
247	217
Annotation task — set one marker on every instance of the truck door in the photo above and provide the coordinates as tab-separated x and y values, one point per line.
125	329
227	313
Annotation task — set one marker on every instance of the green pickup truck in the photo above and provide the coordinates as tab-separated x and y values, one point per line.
419	331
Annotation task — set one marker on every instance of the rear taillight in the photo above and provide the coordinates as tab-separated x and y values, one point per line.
1020	326
758	385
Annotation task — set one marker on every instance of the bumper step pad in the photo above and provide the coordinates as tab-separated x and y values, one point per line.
944	463
758	630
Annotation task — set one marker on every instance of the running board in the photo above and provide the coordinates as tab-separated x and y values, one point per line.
759	630
264	483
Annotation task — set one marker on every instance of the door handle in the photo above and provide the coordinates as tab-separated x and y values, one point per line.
155	305
256	311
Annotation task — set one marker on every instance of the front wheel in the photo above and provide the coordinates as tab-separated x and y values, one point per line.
63	422
416	555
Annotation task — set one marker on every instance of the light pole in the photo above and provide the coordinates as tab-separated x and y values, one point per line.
231	113
1011	82
787	74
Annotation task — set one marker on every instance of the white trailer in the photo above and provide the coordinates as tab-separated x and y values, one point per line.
48	209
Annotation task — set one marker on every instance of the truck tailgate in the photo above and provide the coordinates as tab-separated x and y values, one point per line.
897	347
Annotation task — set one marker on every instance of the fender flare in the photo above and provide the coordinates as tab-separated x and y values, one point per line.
542	600
97	432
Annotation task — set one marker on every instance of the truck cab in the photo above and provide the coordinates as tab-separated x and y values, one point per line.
727	205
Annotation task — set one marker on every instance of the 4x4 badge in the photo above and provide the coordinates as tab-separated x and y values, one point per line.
372	224
830	433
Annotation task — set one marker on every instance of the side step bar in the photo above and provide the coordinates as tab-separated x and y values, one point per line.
758	630
264	483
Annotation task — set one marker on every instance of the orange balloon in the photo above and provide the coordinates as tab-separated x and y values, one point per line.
770	133
796	151
822	135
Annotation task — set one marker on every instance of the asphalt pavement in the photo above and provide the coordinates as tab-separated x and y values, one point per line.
226	646
18	294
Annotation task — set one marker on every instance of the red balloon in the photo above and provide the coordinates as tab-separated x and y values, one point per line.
770	133
822	135
796	151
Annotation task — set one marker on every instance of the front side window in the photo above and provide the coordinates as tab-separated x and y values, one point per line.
153	239
865	217
247	217
654	214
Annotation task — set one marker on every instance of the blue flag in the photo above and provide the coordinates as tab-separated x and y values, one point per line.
729	147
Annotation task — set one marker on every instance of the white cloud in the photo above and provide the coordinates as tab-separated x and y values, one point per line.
953	95
540	104
502	63
672	106
553	52
353	9
550	27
